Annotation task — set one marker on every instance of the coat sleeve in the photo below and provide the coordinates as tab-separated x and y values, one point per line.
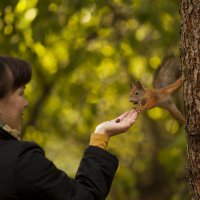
38	178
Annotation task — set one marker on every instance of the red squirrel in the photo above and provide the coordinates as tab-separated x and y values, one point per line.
147	98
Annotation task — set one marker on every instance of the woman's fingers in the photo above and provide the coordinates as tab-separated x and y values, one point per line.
133	115
118	125
118	119
129	114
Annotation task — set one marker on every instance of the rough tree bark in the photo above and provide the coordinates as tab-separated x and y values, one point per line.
190	62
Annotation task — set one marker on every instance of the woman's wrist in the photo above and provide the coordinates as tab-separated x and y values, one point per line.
99	140
100	129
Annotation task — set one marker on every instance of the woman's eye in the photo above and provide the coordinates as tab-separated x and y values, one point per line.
21	93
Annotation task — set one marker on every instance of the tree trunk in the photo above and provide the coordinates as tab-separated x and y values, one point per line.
190	62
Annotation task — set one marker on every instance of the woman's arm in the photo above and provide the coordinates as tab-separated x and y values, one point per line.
38	178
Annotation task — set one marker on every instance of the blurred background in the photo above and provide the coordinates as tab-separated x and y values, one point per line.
84	55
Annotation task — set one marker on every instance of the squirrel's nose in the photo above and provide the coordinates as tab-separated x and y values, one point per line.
132	101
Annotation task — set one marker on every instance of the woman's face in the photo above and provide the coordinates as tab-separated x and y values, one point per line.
11	108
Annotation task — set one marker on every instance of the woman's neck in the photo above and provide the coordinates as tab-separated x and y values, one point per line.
14	132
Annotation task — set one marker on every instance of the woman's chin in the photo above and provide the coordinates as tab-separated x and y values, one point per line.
18	128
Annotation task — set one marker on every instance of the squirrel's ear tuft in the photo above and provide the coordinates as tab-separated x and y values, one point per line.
132	84
139	85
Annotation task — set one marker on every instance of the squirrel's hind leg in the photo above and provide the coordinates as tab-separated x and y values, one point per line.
173	110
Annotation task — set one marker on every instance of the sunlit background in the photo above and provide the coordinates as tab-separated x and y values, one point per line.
84	55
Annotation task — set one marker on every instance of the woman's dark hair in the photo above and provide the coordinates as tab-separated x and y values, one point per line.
14	73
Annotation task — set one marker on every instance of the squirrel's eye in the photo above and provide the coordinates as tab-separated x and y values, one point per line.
136	93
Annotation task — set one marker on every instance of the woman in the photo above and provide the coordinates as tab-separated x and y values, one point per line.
25	172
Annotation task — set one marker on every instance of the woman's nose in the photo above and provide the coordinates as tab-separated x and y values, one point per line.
25	103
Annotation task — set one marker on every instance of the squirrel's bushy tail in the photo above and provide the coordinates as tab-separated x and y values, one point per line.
168	75
168	72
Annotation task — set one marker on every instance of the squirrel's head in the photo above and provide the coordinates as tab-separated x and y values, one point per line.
137	94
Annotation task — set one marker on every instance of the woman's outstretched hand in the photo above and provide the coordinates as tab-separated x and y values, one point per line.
118	125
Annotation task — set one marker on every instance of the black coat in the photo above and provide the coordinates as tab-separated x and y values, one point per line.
26	174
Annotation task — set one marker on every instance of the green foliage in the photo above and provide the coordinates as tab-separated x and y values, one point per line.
84	55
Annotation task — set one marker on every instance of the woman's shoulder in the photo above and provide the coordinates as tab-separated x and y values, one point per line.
15	148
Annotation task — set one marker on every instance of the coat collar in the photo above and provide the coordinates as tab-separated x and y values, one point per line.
4	135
